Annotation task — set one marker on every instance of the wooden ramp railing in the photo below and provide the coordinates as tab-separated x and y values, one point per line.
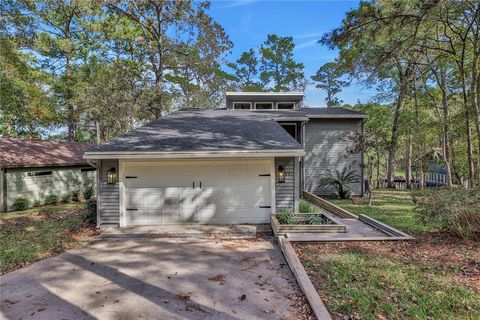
327	205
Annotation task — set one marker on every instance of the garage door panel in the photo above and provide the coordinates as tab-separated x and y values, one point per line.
231	192
134	200
134	216
245	200
230	216
153	199
159	181
154	215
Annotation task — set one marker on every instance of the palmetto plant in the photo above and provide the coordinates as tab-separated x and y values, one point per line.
339	180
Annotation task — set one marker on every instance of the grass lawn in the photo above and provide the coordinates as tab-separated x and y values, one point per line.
394	207
37	233
433	277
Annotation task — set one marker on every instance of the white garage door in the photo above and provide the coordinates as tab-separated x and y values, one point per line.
207	192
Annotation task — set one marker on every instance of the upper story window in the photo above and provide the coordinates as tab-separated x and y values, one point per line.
242	105
263	105
285	105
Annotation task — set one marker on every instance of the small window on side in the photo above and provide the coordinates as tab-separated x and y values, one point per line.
88	169
263	105
39	173
285	105
242	105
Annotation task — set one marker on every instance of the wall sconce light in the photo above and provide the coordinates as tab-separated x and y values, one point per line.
281	174
111	176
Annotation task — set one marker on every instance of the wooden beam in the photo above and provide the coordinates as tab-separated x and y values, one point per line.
327	205
303	280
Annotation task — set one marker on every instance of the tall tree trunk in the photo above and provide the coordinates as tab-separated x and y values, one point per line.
476	80
473	92
446	129
378	170
408	161
471	165
392	150
70	117
421	174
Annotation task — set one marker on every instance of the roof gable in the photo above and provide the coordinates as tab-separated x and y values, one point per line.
205	130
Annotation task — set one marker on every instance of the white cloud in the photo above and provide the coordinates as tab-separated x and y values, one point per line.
238	3
309	35
307	44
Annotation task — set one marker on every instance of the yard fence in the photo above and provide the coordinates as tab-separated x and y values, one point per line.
432	180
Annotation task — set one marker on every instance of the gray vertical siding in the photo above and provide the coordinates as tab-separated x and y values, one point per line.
108	195
62	180
285	192
326	148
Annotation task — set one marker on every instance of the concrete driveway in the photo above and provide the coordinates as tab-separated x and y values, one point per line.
155	278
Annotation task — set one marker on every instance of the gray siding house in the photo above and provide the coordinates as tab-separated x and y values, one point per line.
34	169
232	165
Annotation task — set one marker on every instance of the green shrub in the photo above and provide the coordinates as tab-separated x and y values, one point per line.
316	219
91	210
286	217
67	198
88	192
20	204
51	199
339	181
456	211
75	195
37	203
306	207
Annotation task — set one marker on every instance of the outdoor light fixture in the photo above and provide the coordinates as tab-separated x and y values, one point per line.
281	174
111	176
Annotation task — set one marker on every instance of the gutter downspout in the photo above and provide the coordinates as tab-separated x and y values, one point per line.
91	163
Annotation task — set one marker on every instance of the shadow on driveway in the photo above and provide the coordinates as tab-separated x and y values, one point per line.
155	278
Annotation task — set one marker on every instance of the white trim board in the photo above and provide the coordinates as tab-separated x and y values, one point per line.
195	154
274	94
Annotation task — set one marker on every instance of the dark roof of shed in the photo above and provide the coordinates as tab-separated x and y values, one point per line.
15	152
205	130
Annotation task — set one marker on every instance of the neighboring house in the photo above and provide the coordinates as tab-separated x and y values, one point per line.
233	165
34	169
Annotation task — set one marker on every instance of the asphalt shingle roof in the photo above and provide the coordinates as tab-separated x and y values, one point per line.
15	152
205	130
328	112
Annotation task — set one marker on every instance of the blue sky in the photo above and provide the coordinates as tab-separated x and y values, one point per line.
247	23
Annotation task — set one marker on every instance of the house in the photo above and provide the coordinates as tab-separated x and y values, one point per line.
231	165
35	169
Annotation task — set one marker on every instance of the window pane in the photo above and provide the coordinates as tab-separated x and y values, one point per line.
241	105
262	106
285	105
39	173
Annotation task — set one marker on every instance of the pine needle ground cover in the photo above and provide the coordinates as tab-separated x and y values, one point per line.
38	233
434	277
